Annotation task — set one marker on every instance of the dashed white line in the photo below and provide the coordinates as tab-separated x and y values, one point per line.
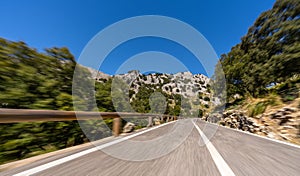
82	153
222	166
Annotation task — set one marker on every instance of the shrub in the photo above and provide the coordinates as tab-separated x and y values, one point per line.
259	108
206	99
206	106
200	114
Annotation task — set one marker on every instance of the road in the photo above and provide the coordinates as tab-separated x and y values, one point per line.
181	148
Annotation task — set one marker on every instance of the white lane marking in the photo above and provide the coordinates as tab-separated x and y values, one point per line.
223	167
82	153
256	135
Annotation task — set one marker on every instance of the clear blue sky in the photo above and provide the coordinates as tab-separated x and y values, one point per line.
71	23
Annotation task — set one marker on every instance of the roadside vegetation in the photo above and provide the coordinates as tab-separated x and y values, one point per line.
263	70
30	79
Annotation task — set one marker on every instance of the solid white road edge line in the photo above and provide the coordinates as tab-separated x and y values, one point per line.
256	135
223	167
82	153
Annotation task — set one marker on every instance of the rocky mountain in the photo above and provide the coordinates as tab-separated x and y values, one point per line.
183	83
98	75
192	90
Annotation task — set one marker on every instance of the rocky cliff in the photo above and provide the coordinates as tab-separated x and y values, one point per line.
182	83
185	90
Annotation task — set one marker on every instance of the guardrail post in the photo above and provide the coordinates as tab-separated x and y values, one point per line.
171	118
161	118
116	126
150	121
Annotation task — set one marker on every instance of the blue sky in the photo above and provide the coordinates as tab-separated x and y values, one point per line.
71	23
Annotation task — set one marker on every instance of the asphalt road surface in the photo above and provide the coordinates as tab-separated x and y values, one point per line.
181	148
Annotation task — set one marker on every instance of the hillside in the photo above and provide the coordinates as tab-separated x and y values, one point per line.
184	87
262	76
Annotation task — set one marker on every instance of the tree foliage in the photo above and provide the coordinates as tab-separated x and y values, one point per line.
268	54
33	80
29	79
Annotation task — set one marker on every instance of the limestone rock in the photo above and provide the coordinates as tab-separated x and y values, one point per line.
129	127
280	124
156	121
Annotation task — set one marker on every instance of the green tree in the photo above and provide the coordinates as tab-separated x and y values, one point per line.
268	54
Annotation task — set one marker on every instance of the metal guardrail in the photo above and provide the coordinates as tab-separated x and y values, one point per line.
26	115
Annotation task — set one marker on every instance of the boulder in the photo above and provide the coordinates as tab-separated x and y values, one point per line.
234	120
277	115
271	135
289	109
222	123
227	119
129	127
156	121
